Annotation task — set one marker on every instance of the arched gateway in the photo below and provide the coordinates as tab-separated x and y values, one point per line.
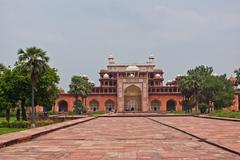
132	99
134	87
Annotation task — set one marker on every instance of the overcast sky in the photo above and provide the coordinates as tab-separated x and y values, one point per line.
78	35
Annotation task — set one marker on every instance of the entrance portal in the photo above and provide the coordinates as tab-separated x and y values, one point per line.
132	105
132	99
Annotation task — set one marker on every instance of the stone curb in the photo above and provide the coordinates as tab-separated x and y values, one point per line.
200	139
149	115
27	135
217	118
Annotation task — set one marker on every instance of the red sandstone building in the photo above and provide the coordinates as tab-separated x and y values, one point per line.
130	88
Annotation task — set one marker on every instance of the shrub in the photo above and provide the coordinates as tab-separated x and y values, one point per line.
51	113
98	112
203	107
4	124
177	112
44	123
14	124
79	108
19	124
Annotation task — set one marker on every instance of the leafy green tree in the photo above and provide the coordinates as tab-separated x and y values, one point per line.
23	88
46	88
8	94
189	87
225	95
80	86
203	89
34	63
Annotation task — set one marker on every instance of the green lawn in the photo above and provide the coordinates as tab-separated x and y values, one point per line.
227	114
9	130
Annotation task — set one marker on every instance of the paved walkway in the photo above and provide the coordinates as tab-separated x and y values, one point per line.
17	137
225	133
125	138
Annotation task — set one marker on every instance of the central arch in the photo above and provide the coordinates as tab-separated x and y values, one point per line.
132	99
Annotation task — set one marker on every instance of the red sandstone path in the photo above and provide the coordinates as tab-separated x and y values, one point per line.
224	133
125	138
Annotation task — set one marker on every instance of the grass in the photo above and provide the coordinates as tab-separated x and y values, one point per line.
179	112
98	113
10	130
225	113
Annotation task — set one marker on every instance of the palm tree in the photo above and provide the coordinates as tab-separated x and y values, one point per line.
189	88
34	63
80	86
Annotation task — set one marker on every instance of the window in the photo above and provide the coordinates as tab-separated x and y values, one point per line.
155	105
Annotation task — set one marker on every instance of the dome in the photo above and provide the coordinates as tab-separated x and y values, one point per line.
85	77
110	56
132	68
132	75
156	69
61	91
151	57
104	70
157	75
106	76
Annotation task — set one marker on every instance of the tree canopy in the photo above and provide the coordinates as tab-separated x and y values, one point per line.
201	86
80	86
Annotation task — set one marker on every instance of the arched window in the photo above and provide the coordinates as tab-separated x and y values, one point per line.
62	106
171	105
94	105
110	106
155	105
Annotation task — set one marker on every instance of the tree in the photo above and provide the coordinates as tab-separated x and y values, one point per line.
8	94
23	88
80	86
2	68
46	88
237	72
204	90
225	95
34	63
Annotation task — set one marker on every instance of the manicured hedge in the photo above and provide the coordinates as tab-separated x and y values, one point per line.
14	124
